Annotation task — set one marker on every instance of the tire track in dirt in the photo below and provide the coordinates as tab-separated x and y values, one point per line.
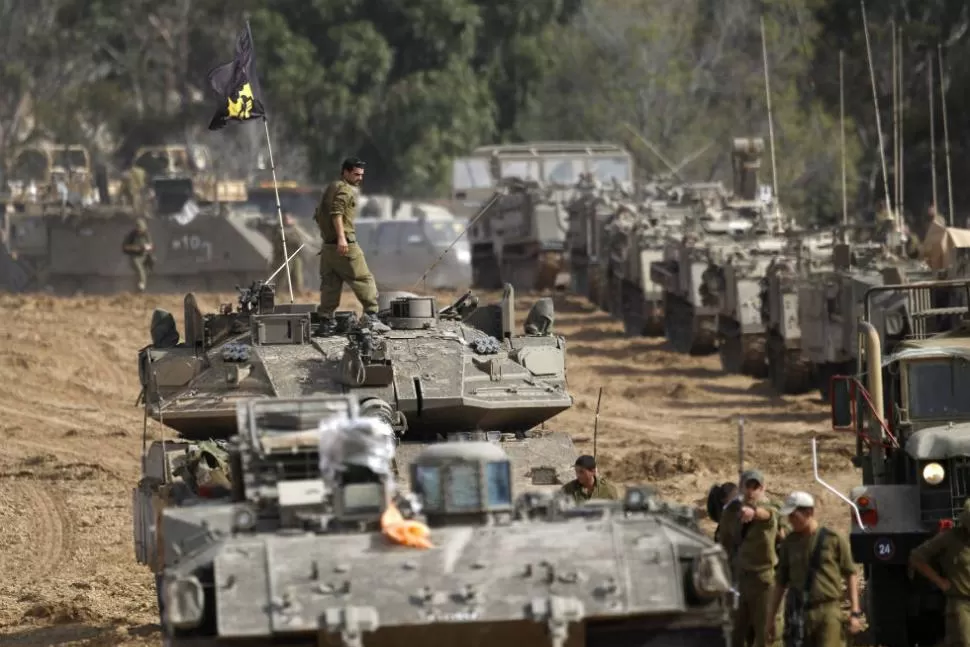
39	529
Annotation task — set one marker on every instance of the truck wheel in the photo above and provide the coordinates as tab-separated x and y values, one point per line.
891	623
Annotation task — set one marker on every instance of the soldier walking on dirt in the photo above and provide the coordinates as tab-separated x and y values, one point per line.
294	238
950	549
749	532
138	247
812	563
588	484
341	259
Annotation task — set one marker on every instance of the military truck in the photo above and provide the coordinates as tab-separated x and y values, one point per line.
520	238
50	173
909	411
318	543
691	308
807	255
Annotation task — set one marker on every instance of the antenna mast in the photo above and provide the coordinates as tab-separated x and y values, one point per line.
875	101
771	127
895	54
845	199
902	121
929	81
946	142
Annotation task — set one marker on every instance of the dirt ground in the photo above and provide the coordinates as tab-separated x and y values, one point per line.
71	439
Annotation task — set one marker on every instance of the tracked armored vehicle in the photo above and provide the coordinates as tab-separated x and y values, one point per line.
588	213
733	282
522	191
331	552
691	309
806	256
828	306
909	411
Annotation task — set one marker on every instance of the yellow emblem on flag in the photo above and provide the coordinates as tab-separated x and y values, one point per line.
242	106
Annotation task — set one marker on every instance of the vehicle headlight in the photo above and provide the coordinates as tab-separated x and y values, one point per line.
710	575
463	255
933	473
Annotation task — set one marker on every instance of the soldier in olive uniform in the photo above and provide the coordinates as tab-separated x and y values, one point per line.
294	238
950	549
138	247
749	531
816	610
587	484
341	259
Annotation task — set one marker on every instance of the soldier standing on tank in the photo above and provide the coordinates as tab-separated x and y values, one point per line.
588	484
812	563
950	550
138	247
341	259
749	532
294	238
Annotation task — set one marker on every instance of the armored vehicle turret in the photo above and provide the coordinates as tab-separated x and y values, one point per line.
319	543
910	413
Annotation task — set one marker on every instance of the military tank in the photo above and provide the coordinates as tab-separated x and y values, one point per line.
334	551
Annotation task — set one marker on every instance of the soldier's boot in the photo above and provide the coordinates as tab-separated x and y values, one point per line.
326	328
370	320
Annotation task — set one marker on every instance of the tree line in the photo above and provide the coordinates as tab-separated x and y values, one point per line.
409	85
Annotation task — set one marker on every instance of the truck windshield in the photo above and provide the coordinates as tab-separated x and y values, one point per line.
935	388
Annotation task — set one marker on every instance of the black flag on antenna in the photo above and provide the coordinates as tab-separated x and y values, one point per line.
237	86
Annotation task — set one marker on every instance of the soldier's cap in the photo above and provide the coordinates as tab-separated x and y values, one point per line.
752	475
586	461
797	500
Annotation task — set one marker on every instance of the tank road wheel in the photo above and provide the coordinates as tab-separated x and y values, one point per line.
693	335
788	371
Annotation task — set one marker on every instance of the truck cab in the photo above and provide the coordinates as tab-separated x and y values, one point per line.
911	417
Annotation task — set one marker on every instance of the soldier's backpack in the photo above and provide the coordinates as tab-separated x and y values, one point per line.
796	600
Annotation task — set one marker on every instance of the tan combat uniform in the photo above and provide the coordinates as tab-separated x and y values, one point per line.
602	489
133	187
751	548
293	241
339	200
823	615
138	247
950	551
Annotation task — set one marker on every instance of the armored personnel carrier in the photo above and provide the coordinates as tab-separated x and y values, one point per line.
520	237
829	303
691	309
200	242
429	373
807	255
588	212
909	411
330	550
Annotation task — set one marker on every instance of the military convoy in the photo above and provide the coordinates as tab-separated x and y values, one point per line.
910	415
516	196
